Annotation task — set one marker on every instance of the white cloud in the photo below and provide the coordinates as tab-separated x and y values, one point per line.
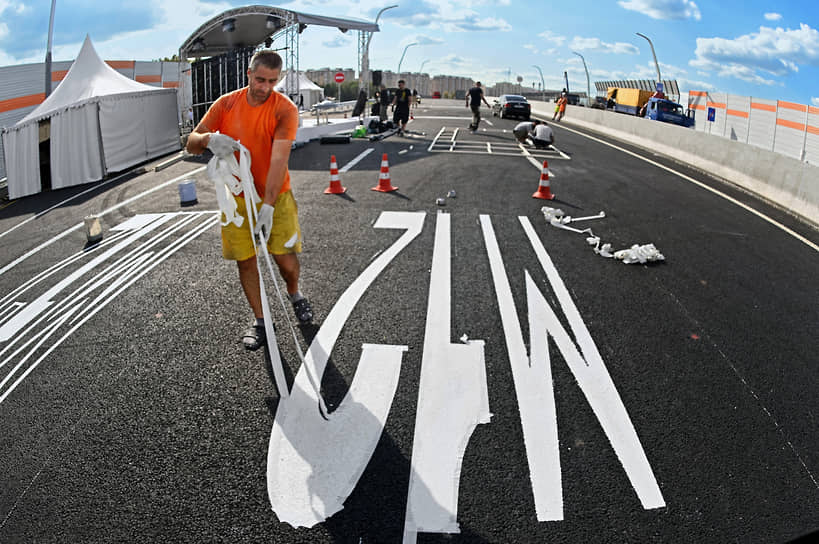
427	40
4	30
664	9
595	44
814	100
338	41
777	52
552	38
773	16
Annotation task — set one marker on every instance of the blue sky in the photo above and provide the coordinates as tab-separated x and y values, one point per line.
753	47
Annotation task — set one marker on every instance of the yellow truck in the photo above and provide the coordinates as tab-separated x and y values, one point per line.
628	100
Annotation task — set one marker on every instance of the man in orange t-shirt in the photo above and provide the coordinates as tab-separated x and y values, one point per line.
265	122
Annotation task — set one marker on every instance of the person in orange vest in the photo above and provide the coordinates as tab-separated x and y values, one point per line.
560	108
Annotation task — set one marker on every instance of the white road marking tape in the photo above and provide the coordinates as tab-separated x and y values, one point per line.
356	160
593	377
452	400
104	212
488	122
534	391
300	407
717	192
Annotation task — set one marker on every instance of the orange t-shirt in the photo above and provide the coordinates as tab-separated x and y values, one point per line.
255	128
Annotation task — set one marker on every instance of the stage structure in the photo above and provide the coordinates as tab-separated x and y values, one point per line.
223	46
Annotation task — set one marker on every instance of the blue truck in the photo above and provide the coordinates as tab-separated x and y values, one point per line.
660	109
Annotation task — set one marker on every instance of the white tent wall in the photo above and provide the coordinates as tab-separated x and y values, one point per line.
22	151
75	147
124	118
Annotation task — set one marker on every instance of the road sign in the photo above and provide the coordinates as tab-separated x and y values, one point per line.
712	114
339	77
659	86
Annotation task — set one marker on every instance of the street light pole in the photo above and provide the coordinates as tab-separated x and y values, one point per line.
48	51
588	84
364	77
542	83
402	56
656	64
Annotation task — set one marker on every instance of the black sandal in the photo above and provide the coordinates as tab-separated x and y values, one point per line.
303	311
254	338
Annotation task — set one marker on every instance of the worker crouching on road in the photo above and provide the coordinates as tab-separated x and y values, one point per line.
265	122
524	130
543	136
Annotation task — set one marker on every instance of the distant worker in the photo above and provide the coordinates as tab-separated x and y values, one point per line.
401	103
189	116
384	101
473	101
544	136
266	122
524	130
560	108
414	98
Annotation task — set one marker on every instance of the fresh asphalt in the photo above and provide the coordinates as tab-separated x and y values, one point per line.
151	423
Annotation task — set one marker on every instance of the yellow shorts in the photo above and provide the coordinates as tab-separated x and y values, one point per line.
237	244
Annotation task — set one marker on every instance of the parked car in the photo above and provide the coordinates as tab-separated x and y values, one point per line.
511	105
436	94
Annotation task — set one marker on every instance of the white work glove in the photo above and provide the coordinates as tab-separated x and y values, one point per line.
222	146
264	223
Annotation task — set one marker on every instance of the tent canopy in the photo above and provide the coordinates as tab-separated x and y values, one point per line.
304	83
89	77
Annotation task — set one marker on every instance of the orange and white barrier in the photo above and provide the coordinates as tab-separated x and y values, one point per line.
384	181
335	187
544	192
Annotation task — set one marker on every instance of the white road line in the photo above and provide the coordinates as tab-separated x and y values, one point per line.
441	117
104	212
454	134
488	147
717	192
42	213
452	400
356	160
594	379
435	140
533	389
488	122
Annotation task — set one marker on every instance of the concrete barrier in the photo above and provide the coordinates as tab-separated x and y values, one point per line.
785	182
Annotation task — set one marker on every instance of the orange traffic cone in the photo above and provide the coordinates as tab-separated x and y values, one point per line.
335	187
543	190
384	182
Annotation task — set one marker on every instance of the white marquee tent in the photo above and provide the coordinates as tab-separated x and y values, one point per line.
100	122
311	92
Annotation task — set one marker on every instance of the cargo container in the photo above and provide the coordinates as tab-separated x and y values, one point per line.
628	100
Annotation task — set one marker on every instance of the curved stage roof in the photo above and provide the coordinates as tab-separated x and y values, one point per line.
251	25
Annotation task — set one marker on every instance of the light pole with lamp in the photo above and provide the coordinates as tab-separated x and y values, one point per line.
421	71
542	83
48	51
364	77
588	84
656	64
402	56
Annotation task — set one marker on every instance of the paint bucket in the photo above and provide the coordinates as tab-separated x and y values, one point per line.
187	192
93	229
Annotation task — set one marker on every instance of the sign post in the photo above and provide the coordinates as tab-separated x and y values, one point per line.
339	77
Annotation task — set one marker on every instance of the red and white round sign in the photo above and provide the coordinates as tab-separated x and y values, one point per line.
339	77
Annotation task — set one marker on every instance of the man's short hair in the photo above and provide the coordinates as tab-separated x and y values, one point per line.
401	81
267	58
478	84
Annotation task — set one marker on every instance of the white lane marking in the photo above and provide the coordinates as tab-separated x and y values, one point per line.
104	212
595	381
452	400
308	481
717	192
488	147
32	310
441	117
435	140
157	259
301	405
42	213
490	123
356	160
534	391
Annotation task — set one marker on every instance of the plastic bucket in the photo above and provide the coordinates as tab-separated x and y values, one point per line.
187	192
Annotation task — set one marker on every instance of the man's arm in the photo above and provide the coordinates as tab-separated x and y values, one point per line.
279	157
484	99
198	140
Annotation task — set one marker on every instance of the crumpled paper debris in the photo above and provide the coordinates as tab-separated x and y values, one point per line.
550	213
639	254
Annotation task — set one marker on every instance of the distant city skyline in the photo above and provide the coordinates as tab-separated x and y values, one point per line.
750	48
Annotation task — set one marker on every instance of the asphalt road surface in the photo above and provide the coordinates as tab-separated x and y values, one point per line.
485	371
